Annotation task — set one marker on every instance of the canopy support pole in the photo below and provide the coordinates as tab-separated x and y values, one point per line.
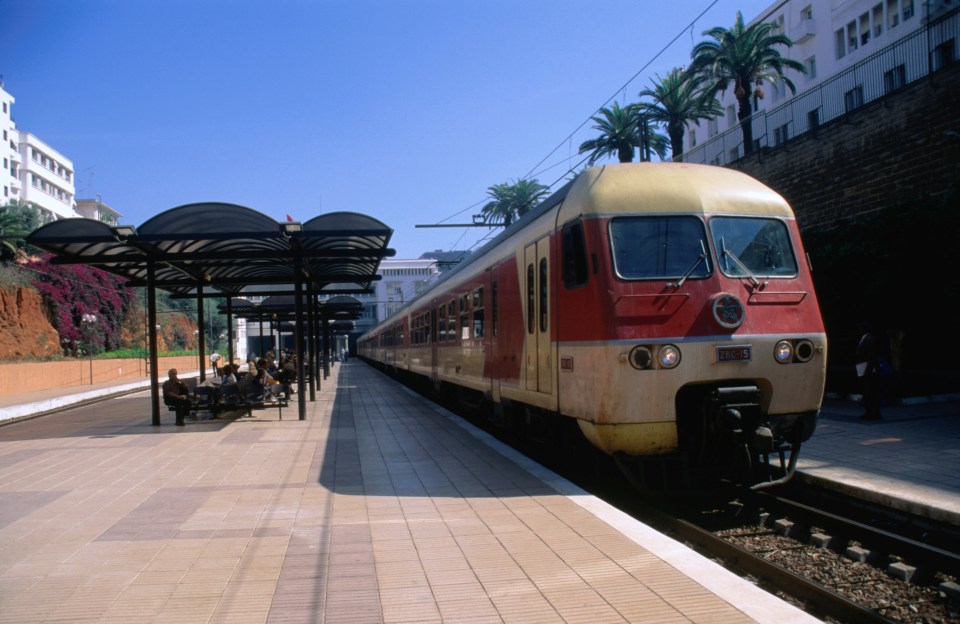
152	329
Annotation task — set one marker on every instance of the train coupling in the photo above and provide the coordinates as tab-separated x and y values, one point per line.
739	410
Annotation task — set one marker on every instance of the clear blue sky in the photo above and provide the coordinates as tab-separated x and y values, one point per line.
405	110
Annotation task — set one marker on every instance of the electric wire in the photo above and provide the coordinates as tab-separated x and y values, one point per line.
535	171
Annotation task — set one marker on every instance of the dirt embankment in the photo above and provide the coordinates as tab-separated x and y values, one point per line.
25	331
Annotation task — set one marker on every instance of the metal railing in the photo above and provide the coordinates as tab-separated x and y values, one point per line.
914	57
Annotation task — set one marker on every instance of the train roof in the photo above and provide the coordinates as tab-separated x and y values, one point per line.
671	187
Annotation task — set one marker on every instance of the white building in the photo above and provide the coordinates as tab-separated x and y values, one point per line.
96	209
402	281
845	46
46	178
9	179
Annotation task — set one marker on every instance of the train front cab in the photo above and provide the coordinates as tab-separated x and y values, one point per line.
689	333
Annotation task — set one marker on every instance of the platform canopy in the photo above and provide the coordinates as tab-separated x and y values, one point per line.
227	250
283	308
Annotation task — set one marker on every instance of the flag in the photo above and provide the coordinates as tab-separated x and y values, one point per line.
289	218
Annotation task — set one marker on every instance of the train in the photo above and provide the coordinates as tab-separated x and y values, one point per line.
663	312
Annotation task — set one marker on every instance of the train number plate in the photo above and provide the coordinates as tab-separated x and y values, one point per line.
740	353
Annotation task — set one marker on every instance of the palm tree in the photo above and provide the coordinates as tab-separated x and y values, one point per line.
510	201
618	134
678	100
16	221
745	57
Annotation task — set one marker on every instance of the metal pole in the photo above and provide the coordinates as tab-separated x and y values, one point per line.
201	335
298	337
152	327
311	315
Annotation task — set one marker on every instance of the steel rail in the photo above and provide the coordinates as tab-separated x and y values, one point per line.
917	553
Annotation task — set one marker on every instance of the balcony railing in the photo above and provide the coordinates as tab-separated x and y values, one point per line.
916	56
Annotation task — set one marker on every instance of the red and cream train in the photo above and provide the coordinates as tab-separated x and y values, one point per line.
667	309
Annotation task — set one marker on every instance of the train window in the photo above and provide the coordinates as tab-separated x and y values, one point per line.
442	323
478	313
753	246
494	321
544	308
465	316
452	320
574	255
659	247
531	301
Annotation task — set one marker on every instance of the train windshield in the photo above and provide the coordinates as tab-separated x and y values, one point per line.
753	247
659	247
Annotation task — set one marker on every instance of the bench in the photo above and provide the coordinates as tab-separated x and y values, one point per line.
254	396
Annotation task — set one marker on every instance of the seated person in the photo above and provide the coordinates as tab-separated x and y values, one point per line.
176	394
287	372
228	375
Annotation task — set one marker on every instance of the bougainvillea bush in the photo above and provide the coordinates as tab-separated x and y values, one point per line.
70	291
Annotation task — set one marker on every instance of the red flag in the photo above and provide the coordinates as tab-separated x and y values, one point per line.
289	218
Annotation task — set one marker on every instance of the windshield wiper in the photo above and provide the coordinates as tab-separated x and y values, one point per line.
729	254
700	258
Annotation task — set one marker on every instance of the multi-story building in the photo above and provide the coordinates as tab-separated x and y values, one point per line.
402	281
46	178
854	51
96	209
33	171
9	179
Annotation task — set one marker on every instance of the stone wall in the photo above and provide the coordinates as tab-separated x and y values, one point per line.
897	148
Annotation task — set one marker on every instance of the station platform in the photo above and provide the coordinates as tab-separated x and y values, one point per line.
907	460
379	507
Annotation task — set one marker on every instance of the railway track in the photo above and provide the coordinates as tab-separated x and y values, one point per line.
782	544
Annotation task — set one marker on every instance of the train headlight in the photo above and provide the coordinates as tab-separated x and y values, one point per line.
783	352
669	356
641	358
805	351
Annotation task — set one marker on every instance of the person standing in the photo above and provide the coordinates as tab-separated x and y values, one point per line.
868	370
176	393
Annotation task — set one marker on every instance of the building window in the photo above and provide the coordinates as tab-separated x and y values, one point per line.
877	20
943	55
731	117
864	28
692	138
811	64
780	135
853	99
894	79
852	36
907	9
806	13
893	12
713	127
841	44
734	154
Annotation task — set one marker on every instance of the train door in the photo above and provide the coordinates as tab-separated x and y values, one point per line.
432	333
538	361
